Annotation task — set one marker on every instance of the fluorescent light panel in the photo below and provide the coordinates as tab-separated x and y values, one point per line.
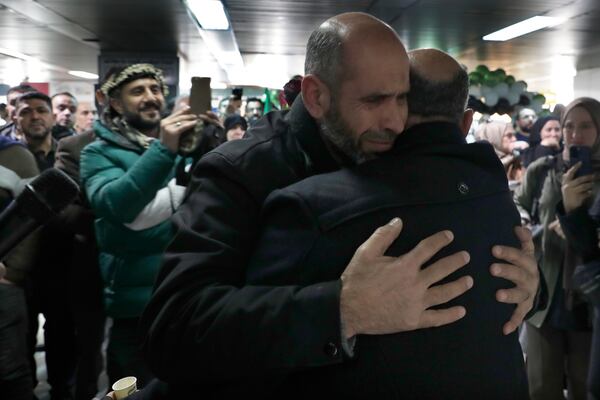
15	54
524	27
83	74
210	14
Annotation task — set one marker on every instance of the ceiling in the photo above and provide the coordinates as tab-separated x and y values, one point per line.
271	34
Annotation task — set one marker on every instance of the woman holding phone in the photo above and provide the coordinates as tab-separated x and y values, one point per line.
559	337
580	223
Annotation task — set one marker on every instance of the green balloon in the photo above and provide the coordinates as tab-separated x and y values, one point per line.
475	78
500	73
490	79
510	79
522	83
540	98
482	69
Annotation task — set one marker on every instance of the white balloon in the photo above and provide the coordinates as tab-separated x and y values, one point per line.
491	99
513	98
486	90
502	89
475	90
536	105
518	87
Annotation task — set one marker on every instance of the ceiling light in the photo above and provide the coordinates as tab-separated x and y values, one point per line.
83	74
524	27
15	54
218	85
210	14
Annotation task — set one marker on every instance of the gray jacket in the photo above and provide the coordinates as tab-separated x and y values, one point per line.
545	174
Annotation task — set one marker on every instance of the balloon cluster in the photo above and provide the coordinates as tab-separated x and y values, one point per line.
495	92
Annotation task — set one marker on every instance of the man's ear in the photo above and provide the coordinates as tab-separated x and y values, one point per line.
466	122
116	105
316	96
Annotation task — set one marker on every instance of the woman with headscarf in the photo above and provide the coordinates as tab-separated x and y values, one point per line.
580	222
501	135
545	139
559	337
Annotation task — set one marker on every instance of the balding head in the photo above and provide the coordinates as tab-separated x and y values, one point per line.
356	83
439	87
333	45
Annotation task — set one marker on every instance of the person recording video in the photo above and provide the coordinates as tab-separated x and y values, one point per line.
580	222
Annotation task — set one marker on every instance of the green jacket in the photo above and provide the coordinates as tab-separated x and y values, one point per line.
120	178
545	174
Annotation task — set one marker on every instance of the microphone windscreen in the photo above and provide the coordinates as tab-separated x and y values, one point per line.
55	188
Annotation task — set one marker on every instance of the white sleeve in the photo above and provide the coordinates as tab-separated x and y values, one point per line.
12	182
166	201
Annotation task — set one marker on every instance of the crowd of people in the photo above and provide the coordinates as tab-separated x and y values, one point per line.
353	244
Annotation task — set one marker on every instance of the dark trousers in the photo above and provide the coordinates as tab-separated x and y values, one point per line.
124	356
594	375
59	340
553	354
15	375
87	308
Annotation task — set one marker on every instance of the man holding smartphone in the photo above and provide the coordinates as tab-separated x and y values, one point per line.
128	176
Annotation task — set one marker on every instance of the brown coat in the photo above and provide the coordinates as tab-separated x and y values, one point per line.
20	260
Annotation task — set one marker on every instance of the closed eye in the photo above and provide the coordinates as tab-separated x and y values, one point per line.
375	99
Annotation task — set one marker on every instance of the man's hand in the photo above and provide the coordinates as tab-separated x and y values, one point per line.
555	226
174	125
576	190
551	142
383	294
211	118
3	273
519	145
522	270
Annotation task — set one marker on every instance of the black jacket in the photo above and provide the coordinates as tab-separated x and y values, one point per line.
203	325
434	181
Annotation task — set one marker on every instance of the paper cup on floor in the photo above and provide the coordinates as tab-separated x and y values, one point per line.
124	387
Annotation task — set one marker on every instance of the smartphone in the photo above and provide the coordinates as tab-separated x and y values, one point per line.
583	154
200	96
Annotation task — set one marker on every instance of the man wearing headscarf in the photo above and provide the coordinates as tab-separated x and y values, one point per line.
127	174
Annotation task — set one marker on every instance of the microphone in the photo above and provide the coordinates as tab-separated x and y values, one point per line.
42	198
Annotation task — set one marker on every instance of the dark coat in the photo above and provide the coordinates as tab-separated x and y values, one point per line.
203	325
433	181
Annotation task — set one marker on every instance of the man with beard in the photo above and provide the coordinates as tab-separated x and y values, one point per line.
64	107
50	284
433	180
526	117
205	326
10	129
127	174
35	120
254	110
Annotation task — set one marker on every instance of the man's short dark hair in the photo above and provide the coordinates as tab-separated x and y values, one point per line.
35	96
324	54
251	99
438	98
22	88
65	94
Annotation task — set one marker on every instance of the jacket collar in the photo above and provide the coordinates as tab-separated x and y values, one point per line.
106	134
306	131
427	135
